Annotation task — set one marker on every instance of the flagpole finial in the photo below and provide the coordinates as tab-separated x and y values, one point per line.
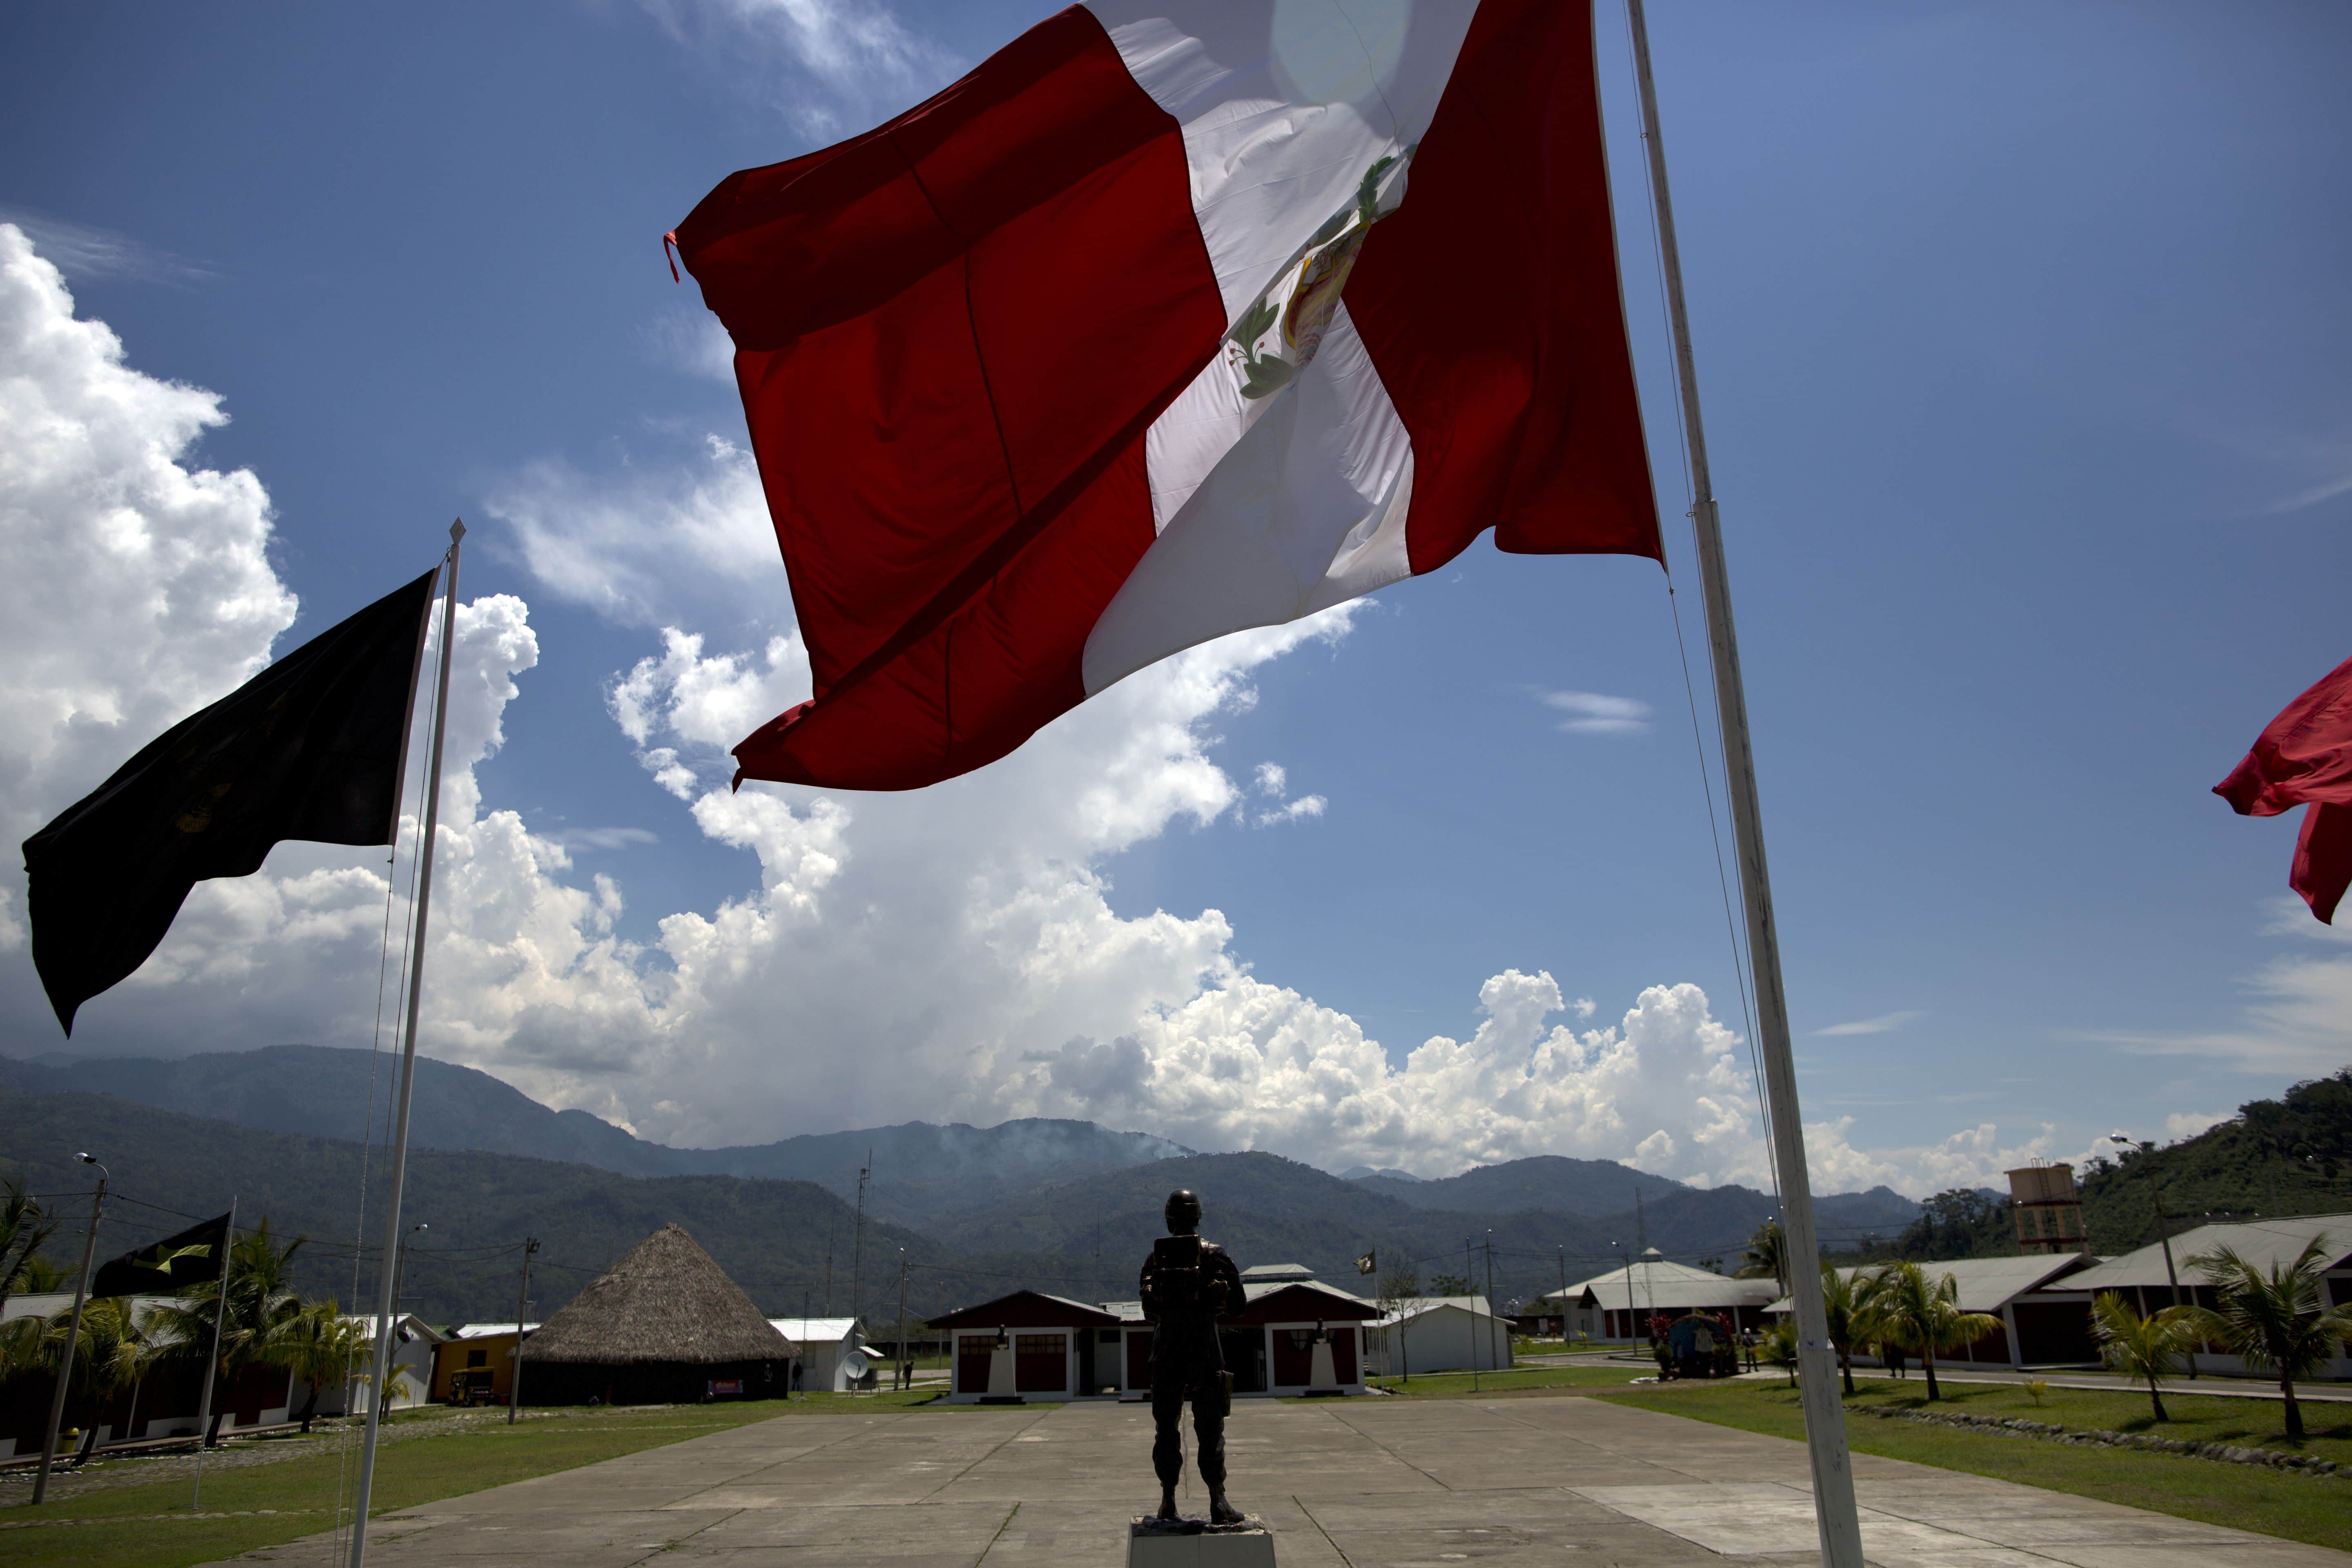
457	531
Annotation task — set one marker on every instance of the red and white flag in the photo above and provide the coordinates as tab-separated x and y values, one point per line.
1173	317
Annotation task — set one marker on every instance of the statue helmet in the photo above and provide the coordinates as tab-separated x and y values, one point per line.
1183	1209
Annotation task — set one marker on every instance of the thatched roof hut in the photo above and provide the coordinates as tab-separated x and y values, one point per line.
664	1325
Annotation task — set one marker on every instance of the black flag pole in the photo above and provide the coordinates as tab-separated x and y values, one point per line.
382	1366
211	1362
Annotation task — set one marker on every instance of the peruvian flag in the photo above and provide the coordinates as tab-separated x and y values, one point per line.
1173	317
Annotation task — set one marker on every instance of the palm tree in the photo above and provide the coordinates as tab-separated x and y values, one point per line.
1844	1302
111	1355
1902	1309
1767	1257
2141	1347
25	1224
2274	1321
319	1345
260	1300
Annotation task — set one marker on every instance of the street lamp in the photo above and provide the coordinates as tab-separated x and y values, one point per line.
2163	1236
73	1331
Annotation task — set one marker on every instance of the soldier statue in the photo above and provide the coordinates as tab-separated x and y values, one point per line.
1188	1285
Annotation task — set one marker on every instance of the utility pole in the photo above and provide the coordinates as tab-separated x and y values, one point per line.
1467	1278
73	1334
2163	1231
830	1227
1563	1297
522	1305
1834	1514
1492	1354
857	1239
906	1369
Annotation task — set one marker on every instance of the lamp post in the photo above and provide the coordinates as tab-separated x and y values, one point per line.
2163	1236
73	1333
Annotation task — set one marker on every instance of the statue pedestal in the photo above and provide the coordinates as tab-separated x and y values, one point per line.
1195	1543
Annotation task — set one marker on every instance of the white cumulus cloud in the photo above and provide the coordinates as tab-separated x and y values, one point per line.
951	952
135	584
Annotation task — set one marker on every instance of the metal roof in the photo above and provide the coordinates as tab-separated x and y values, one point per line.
483	1331
1659	1284
1282	1273
814	1330
1989	1284
1414	1307
2261	1242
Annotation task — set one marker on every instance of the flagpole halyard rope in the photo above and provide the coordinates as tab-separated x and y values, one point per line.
1739	956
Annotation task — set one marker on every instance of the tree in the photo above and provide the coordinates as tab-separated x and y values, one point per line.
1450	1285
259	1302
2275	1322
2142	1348
319	1345
25	1224
1843	1300
1767	1257
1777	1346
1965	1222
1902	1309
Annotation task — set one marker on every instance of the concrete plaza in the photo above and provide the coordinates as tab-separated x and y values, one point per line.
1370	1483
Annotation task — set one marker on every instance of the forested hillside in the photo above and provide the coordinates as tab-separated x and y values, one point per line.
2283	1156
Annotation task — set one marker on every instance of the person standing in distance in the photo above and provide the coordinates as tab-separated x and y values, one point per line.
1188	1284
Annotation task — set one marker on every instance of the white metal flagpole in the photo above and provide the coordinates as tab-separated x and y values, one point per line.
1833	1504
381	1376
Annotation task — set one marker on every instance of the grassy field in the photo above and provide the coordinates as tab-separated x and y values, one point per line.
1531	1379
147	1524
2300	1508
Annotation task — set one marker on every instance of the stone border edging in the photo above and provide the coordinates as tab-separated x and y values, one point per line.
2017	1426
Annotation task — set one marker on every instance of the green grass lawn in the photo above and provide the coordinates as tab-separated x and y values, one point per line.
148	1525
1458	1385
2301	1508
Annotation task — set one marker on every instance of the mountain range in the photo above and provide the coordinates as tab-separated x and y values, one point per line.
1066	1206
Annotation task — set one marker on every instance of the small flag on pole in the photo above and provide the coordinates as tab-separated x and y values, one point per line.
1365	1264
313	747
189	1258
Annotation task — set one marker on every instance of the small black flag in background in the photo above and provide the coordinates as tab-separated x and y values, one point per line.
1365	1264
313	747
168	1266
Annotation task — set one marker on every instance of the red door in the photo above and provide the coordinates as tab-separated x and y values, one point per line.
1343	1355
971	1362
1040	1363
1293	1357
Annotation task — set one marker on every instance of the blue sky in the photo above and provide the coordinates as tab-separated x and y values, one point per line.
2022	337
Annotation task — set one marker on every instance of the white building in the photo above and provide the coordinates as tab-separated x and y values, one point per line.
1438	1334
834	1353
2141	1277
1619	1305
2044	1317
412	1366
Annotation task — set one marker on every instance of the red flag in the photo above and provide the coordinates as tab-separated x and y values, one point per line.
1173	317
2305	757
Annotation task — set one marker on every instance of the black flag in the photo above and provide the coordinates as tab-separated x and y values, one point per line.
313	747
168	1266
1365	1263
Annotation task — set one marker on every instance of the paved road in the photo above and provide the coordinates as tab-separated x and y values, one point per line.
1366	1484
